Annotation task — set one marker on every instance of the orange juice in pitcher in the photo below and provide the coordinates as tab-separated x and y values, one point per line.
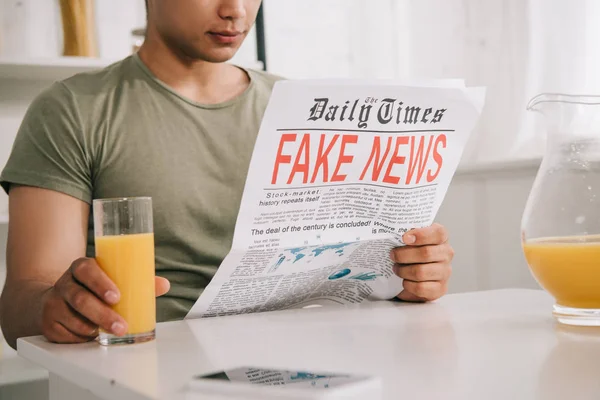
561	222
568	267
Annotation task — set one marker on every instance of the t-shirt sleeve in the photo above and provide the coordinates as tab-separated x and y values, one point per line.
49	151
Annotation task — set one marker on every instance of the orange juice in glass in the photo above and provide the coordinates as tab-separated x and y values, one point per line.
568	268
125	251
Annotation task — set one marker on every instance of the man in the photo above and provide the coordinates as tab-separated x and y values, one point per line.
175	123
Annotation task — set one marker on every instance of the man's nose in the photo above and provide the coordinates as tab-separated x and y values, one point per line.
232	9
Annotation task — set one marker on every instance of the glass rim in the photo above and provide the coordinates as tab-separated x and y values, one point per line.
121	199
565	98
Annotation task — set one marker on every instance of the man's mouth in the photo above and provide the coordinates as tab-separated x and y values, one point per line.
226	36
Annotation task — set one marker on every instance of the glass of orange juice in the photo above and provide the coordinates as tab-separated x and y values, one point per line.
561	222
124	240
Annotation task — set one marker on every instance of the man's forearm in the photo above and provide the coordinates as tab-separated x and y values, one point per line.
21	309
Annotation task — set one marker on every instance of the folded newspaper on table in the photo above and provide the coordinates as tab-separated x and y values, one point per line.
340	170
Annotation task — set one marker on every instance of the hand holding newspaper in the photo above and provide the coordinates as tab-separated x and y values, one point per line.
340	171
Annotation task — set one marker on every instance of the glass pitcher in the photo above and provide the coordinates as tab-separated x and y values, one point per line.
561	222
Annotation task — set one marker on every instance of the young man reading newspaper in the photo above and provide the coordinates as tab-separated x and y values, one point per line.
175	123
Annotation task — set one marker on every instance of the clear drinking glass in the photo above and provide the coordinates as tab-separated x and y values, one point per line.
124	239
561	222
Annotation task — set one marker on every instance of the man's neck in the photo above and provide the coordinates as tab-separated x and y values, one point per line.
197	80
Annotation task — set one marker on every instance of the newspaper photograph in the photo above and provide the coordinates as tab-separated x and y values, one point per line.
340	170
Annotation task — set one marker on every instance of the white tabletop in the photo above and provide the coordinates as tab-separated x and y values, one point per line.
486	345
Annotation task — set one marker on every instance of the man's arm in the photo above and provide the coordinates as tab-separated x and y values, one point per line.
46	292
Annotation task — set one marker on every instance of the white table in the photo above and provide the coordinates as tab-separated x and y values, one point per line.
486	345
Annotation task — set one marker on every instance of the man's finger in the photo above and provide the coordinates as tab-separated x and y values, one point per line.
407	296
91	307
162	286
423	272
88	273
59	334
434	234
73	321
425	290
422	254
78	325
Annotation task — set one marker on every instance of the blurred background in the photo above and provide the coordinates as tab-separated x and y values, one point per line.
517	48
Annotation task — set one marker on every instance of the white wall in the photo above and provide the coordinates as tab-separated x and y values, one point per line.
333	38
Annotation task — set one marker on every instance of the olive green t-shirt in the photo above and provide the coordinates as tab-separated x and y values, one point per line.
121	132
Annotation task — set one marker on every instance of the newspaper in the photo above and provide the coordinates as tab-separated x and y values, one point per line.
340	170
250	382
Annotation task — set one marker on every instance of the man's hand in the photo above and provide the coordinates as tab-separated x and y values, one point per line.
79	303
424	263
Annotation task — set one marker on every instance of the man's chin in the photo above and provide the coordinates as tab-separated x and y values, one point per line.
216	55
